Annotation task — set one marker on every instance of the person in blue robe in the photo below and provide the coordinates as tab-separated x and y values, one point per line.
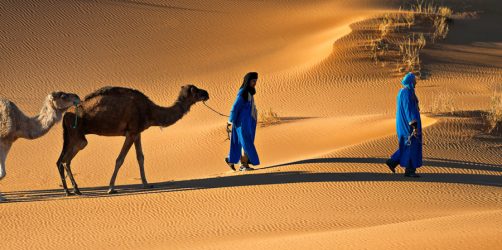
409	129
243	121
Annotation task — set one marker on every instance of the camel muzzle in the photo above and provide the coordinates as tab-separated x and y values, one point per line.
205	96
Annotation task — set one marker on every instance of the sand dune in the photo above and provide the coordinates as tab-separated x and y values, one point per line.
322	183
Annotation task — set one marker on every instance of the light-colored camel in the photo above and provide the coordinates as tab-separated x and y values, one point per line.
116	111
14	124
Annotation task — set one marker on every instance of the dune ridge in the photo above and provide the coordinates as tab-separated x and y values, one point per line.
323	183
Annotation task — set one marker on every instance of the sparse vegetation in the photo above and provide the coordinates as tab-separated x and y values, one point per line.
268	118
445	12
409	19
378	48
424	22
430	8
386	26
410	52
440	29
442	103
440	23
494	115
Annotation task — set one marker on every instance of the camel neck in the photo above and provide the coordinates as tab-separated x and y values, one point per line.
166	116
40	124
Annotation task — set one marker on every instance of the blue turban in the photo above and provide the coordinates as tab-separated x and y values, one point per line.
408	80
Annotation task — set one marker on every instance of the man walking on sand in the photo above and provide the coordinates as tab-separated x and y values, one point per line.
409	130
243	120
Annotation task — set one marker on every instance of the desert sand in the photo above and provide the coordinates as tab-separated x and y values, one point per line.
322	183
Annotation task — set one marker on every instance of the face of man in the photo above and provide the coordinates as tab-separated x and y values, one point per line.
253	82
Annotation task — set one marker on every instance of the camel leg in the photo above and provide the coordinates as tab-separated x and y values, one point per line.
72	144
120	160
82	142
141	161
73	182
4	150
59	164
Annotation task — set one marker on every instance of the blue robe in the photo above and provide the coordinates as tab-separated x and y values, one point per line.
408	156
243	131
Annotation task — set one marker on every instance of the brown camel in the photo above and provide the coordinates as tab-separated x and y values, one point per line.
116	111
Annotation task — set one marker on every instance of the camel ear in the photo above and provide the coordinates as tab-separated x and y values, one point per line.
193	89
184	91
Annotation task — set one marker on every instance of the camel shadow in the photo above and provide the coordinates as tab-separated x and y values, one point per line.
259	179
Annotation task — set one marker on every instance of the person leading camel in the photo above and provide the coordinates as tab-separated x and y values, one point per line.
243	121
409	130
14	124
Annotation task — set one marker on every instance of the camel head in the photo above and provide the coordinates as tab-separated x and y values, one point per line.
62	101
192	94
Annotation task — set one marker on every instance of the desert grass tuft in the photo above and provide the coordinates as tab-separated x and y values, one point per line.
440	23
494	114
442	103
268	118
387	25
378	47
410	54
409	19
432	24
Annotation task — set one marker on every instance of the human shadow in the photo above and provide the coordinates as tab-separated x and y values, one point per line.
429	162
257	179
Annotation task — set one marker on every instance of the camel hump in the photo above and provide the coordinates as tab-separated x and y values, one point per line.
110	90
6	106
9	115
5	102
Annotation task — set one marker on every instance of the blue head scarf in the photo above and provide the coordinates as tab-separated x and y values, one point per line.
408	81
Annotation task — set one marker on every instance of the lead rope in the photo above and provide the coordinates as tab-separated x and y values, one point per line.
408	141
215	110
229	132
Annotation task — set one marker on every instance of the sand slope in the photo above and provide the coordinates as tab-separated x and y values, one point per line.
322	183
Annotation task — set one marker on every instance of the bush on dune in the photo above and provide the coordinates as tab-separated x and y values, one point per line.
494	114
424	21
268	118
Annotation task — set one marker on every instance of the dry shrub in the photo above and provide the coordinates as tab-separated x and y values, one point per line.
494	115
440	29
440	16
440	23
430	8
410	53
387	25
409	19
408	47
377	47
445	12
268	118
423	7
443	103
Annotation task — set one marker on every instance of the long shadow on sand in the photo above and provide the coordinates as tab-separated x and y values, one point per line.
258	179
429	162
